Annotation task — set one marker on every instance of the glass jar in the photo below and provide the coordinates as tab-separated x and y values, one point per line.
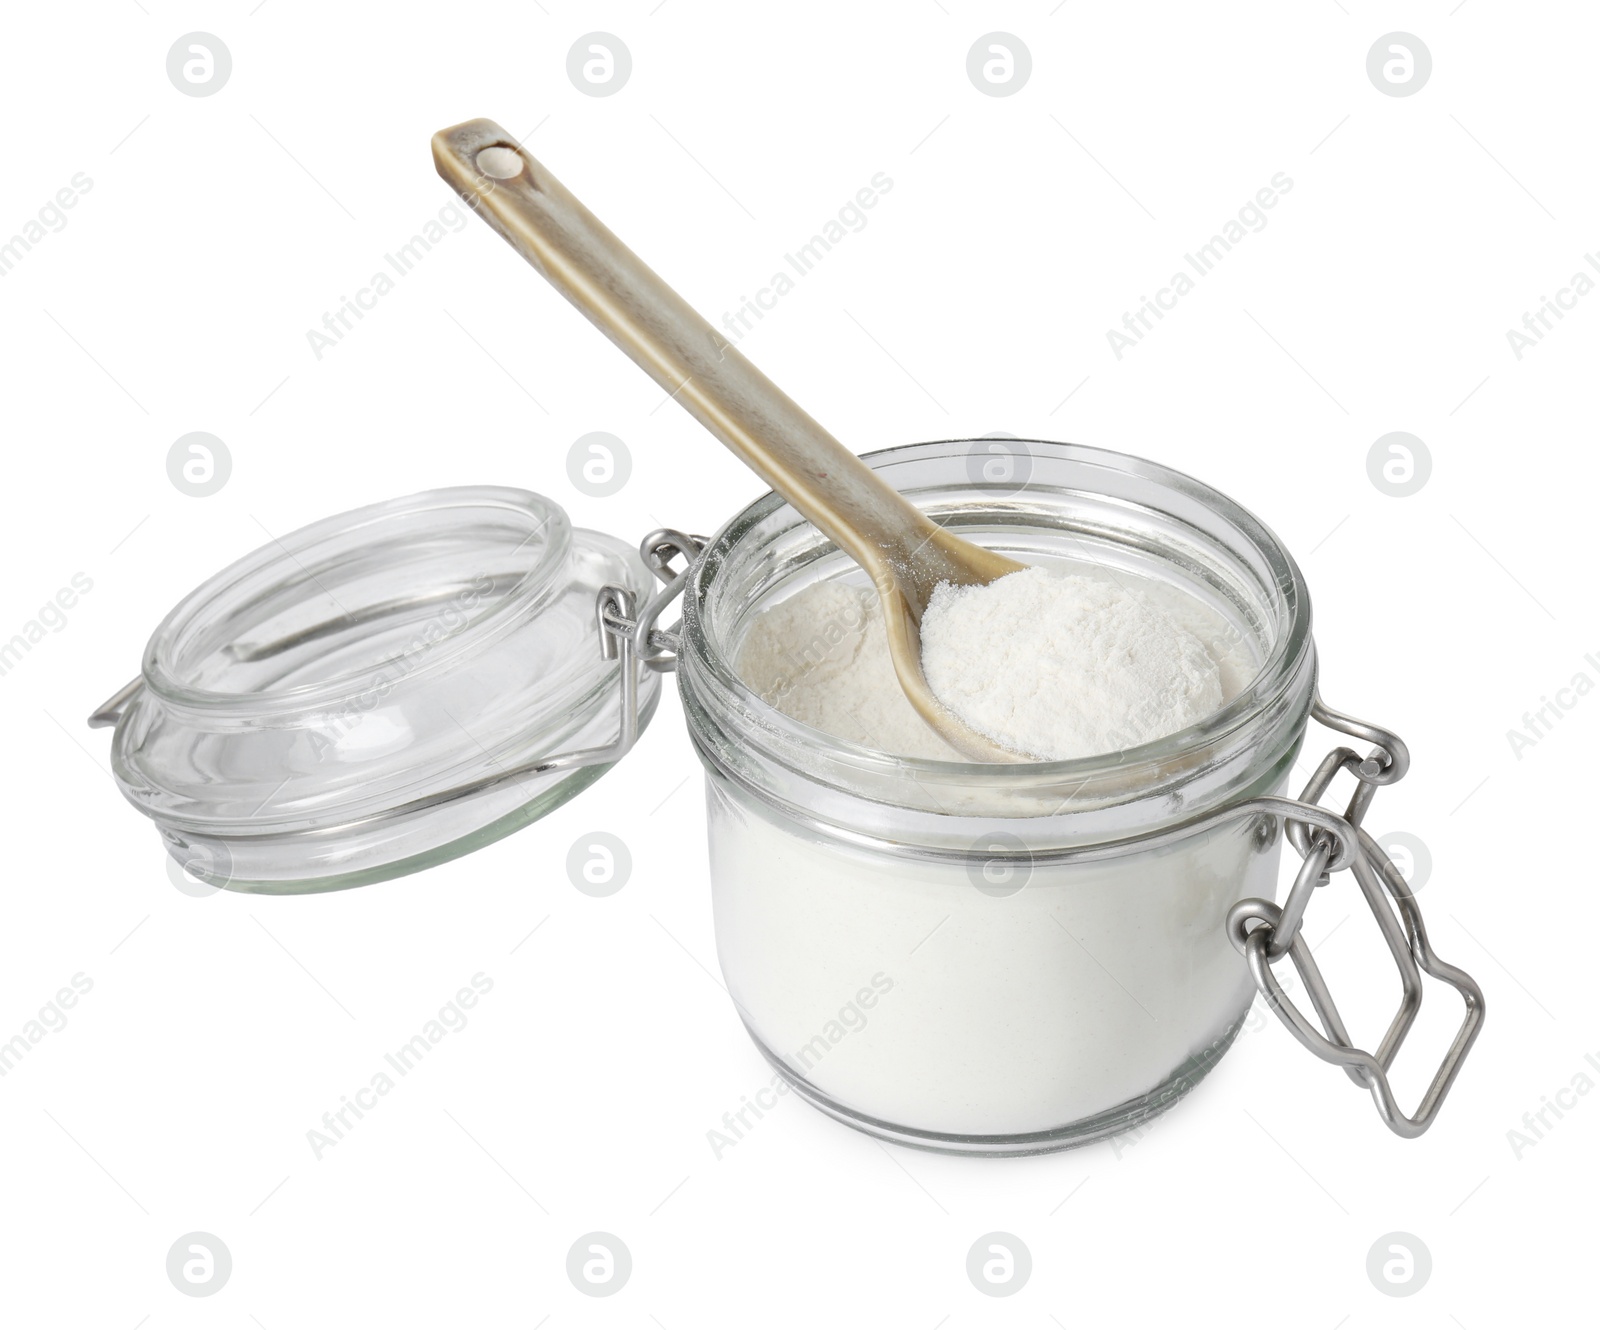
906	939
980	958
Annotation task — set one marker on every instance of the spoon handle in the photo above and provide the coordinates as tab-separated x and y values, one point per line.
708	377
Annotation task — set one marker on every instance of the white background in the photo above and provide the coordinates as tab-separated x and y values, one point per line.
1019	229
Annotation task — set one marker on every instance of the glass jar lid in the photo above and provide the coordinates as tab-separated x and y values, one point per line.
378	692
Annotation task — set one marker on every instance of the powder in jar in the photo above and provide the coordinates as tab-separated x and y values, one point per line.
1000	1010
1063	666
822	658
1060	662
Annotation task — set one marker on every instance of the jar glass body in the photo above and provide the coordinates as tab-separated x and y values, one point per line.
955	955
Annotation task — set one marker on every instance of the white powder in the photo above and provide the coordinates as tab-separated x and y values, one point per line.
822	657
918	992
1068	666
1086	988
1052	663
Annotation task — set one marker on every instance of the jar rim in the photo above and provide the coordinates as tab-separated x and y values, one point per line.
240	583
1275	675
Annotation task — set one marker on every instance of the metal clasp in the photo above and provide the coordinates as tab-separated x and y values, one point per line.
634	640
655	648
1264	932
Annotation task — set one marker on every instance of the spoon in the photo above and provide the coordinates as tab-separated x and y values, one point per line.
904	551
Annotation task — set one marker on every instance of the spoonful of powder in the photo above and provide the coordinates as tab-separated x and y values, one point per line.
1061	666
